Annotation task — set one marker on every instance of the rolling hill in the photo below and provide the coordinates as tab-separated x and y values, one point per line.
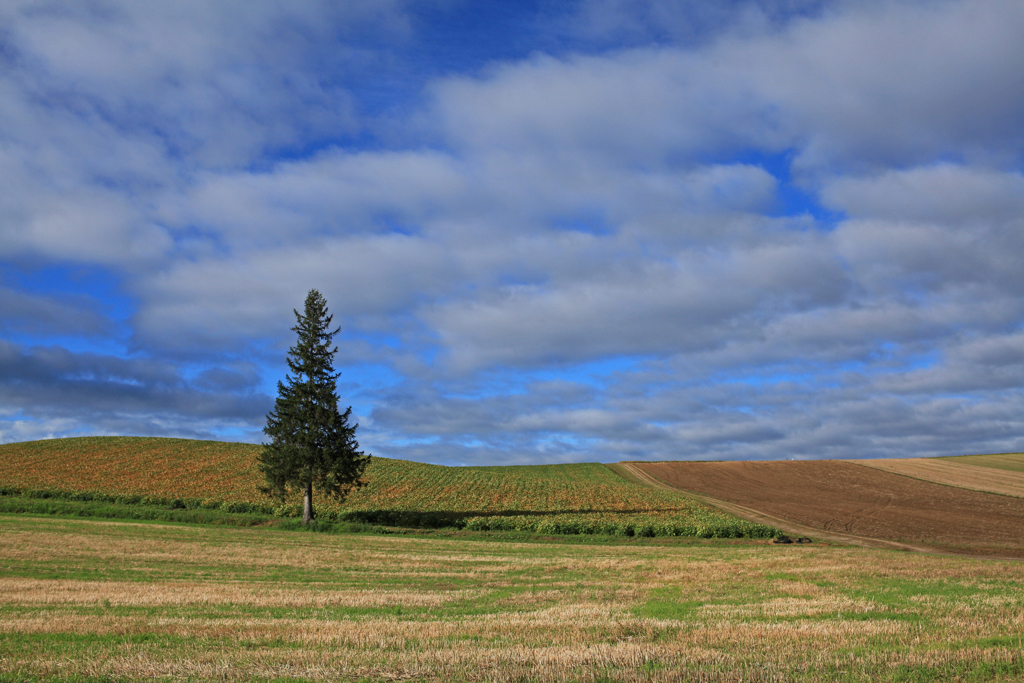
578	498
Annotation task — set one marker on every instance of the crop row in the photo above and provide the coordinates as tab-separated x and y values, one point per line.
625	525
134	466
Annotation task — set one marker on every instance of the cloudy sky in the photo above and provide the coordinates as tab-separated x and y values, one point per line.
549	231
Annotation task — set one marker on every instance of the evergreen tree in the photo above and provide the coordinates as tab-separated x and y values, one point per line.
311	442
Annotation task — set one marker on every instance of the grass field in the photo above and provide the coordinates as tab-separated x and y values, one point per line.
87	600
583	498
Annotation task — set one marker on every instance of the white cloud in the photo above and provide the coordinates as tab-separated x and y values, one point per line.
883	83
690	301
251	295
943	193
333	193
221	80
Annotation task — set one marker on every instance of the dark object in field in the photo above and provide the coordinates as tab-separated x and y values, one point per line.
787	539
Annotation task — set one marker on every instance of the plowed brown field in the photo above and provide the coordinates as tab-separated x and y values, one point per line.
836	496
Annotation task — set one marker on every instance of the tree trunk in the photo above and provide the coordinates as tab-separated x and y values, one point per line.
307	504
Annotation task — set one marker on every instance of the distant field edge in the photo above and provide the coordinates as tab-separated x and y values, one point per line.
999	473
999	461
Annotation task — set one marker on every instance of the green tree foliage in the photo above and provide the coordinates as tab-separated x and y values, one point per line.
311	442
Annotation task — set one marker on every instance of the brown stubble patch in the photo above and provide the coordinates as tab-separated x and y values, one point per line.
22	591
456	663
477	650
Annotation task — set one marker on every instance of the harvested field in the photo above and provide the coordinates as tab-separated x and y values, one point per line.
838	496
965	473
95	601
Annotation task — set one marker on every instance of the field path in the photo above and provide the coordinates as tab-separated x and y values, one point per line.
844	502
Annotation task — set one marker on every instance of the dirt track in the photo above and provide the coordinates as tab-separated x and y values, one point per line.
849	499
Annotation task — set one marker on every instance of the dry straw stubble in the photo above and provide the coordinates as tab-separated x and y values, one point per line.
262	604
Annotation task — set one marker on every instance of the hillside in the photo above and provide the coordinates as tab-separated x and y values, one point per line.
579	498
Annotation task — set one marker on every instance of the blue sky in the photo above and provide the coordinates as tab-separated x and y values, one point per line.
549	232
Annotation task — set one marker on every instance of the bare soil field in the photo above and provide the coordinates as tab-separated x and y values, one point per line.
837	496
967	472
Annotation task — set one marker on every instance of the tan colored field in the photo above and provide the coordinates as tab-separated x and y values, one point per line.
1013	462
837	496
973	472
121	600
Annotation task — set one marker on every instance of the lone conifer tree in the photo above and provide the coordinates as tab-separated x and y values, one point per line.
310	440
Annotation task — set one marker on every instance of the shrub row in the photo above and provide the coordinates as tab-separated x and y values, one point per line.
625	526
407	518
71	508
212	504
